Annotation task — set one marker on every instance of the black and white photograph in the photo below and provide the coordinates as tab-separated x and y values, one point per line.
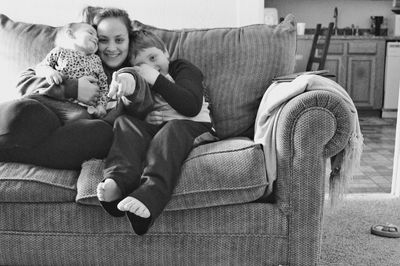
200	132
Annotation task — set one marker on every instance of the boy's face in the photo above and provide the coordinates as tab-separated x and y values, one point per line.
85	38
154	57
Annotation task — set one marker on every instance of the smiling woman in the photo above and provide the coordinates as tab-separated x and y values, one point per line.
113	38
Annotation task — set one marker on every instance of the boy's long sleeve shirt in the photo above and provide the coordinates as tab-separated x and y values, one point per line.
182	98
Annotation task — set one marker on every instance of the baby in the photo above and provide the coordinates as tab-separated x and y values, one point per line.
74	57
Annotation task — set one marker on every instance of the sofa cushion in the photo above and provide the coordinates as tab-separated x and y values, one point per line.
222	173
29	183
238	63
22	45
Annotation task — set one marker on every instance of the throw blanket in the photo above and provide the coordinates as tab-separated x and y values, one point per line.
271	105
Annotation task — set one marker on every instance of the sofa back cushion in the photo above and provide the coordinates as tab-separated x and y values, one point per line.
238	63
22	45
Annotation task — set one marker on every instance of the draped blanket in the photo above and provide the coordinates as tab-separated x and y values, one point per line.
271	105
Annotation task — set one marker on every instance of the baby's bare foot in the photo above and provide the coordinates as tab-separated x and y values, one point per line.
135	206
108	191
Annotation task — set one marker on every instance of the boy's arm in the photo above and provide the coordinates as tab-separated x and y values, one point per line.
141	102
186	94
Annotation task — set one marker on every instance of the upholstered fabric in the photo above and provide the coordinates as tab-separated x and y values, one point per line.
29	183
228	172
22	45
223	173
81	235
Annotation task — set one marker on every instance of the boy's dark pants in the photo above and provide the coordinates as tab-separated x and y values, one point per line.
145	160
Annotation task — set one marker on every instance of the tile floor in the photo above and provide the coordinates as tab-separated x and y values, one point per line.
375	174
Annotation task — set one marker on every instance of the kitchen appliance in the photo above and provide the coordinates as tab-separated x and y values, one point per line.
376	22
396	11
392	80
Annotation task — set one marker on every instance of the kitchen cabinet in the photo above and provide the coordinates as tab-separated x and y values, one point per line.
358	64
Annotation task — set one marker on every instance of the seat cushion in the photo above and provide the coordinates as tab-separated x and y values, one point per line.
29	183
221	173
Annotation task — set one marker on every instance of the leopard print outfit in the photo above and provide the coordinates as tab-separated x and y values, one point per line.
74	64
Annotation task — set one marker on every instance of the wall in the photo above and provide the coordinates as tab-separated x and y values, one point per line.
357	12
168	14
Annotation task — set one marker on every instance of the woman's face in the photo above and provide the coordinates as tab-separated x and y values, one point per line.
113	41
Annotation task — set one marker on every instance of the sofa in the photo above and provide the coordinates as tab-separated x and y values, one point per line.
220	213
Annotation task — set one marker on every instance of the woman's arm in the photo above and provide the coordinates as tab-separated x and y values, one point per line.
84	89
29	83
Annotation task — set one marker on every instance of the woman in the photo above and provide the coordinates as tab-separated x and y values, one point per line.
45	129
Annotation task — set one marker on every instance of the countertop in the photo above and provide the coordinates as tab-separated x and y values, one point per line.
352	37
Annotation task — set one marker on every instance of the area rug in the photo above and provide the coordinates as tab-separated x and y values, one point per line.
346	232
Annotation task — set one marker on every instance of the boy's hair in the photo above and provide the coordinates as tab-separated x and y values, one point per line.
143	39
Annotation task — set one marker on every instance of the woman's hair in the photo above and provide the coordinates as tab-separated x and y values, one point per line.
97	14
143	39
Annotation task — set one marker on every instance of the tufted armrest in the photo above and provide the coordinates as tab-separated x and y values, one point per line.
312	127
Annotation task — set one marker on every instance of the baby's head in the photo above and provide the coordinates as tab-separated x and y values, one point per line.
148	48
78	36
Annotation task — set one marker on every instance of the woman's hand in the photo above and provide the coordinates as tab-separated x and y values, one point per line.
88	90
155	118
121	85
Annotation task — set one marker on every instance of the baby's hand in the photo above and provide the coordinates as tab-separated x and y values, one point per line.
53	76
147	72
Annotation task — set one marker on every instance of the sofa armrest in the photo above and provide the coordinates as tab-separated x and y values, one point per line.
312	127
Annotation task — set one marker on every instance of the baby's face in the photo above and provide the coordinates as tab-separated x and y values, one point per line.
154	57
86	39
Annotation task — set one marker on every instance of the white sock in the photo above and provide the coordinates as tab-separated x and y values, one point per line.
135	206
